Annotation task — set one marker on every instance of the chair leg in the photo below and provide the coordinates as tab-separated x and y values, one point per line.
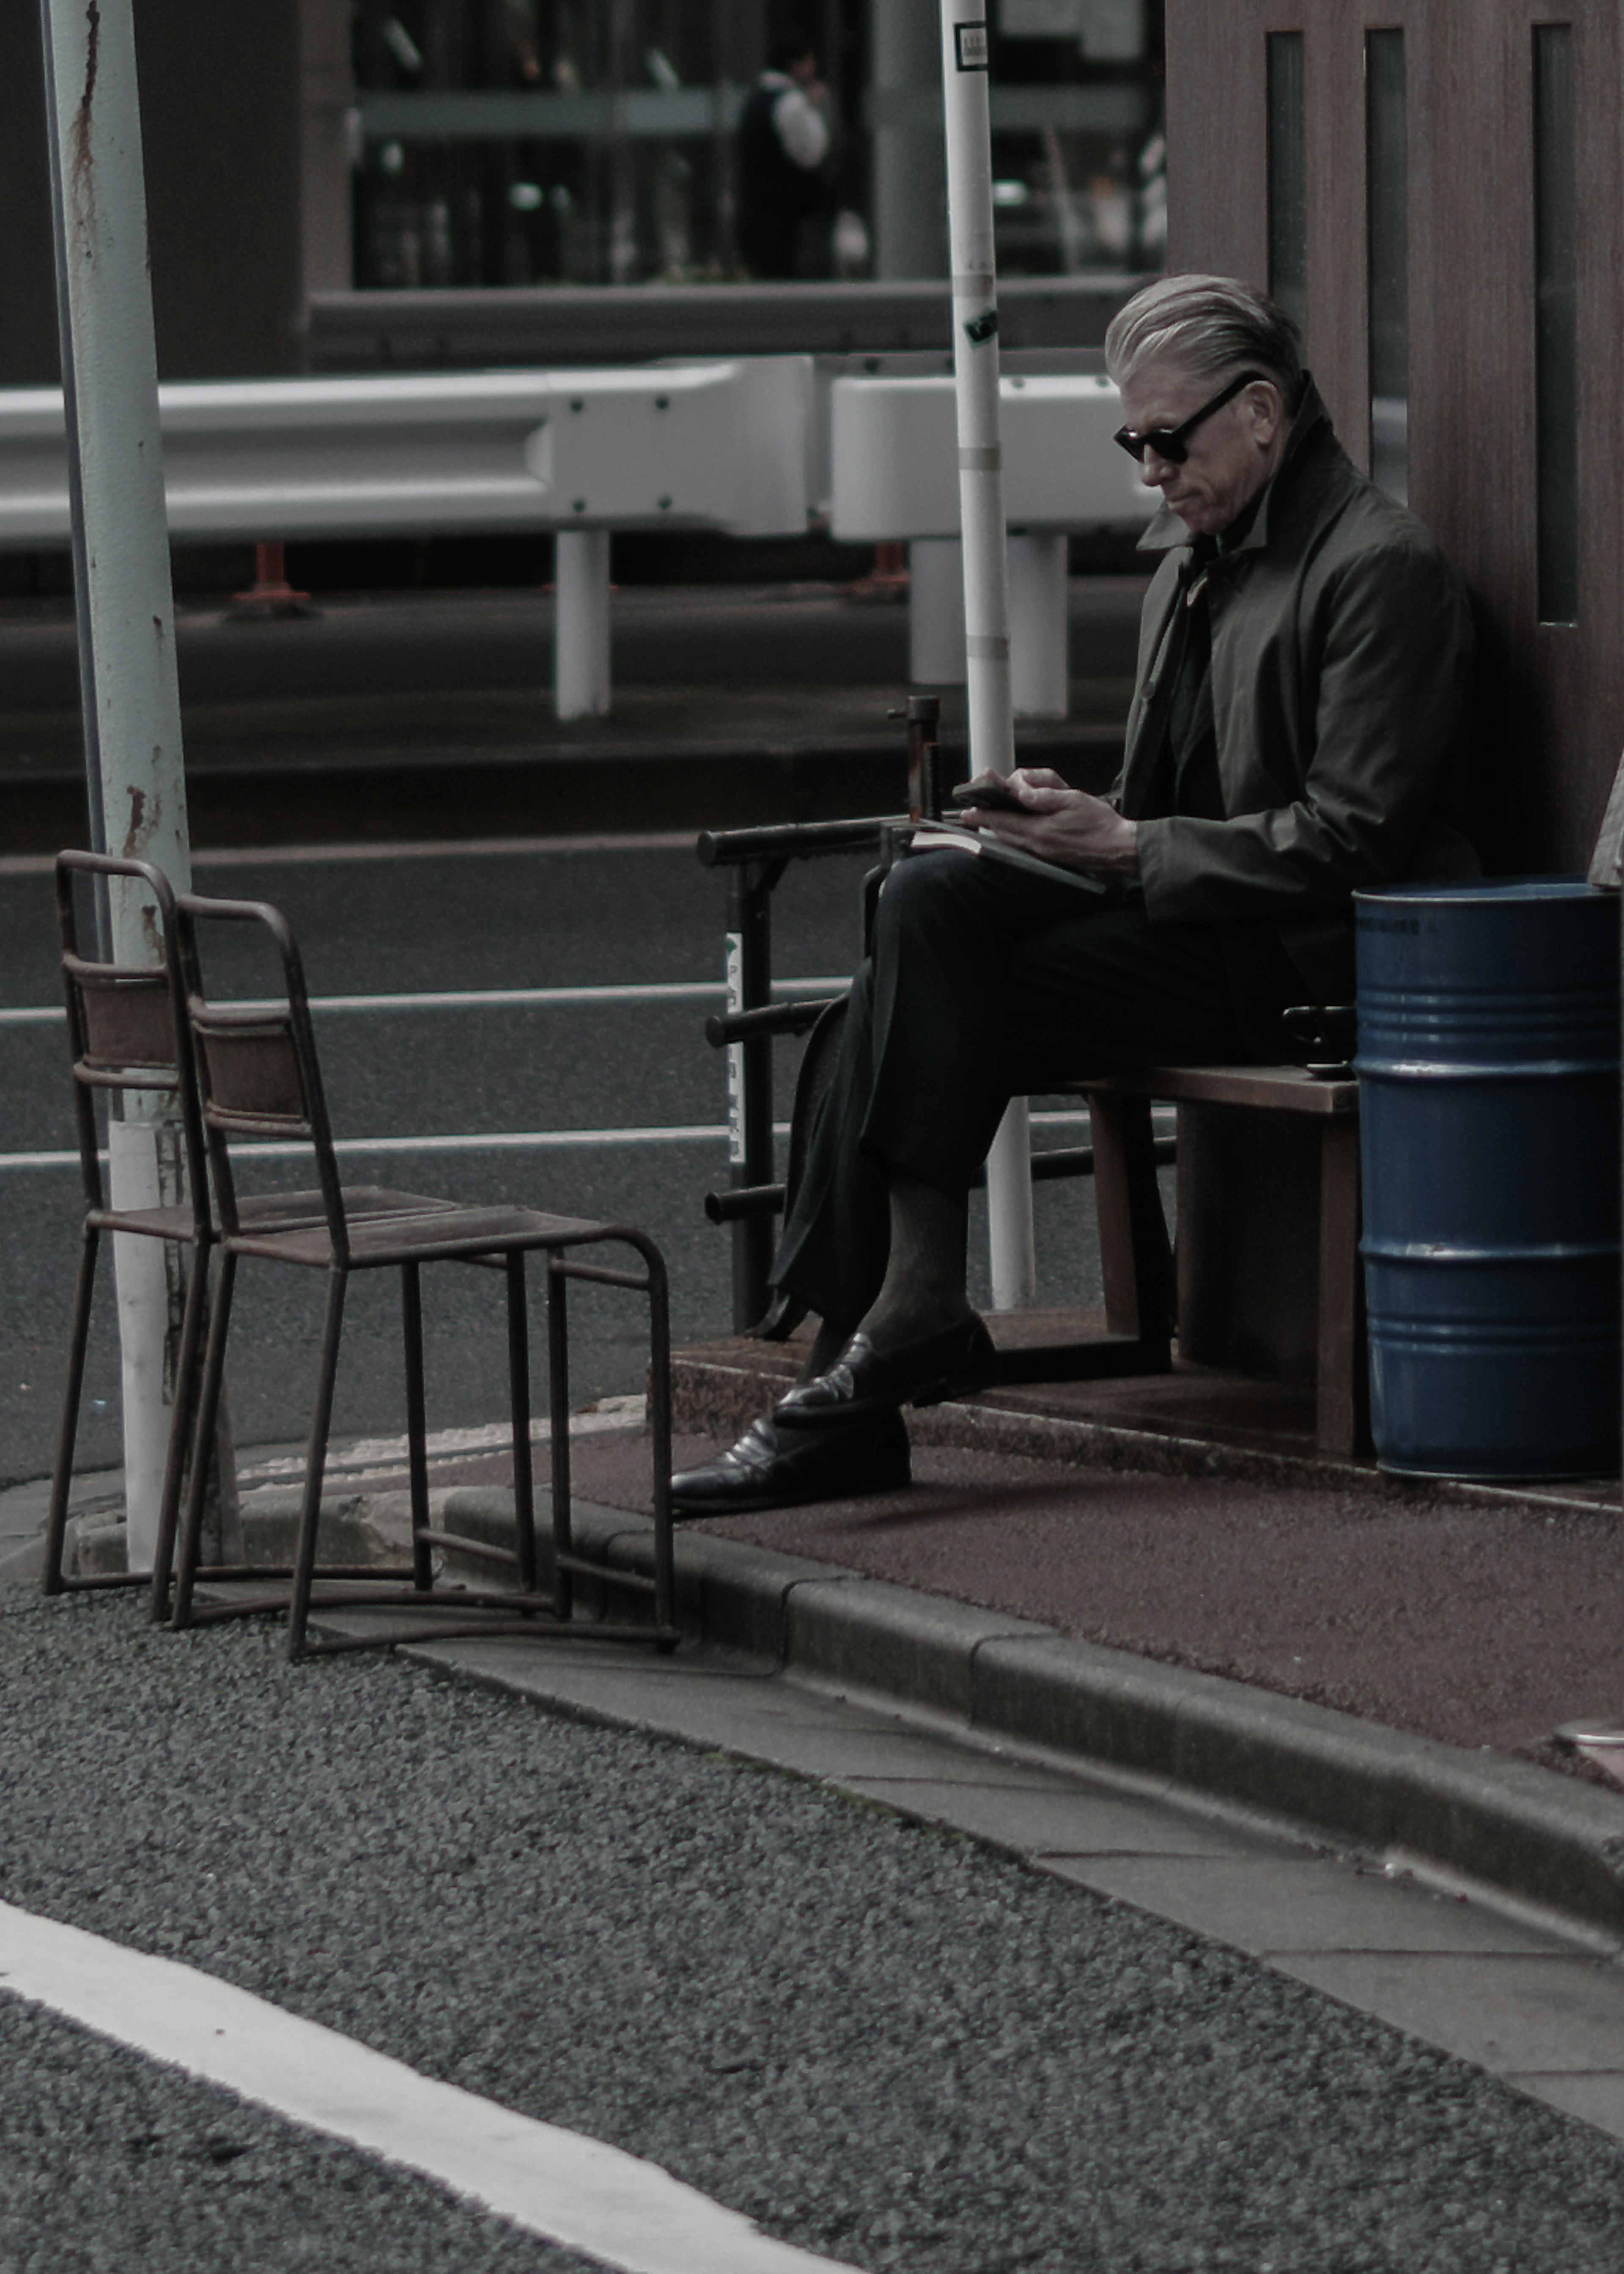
519	1407
416	1429
1342	1404
67	1426
1134	1251
660	1432
203	1423
180	1433
557	1397
315	1464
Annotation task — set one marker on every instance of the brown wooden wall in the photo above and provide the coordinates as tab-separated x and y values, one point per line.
1551	701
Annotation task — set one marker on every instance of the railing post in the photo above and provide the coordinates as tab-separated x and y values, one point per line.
749	1079
580	623
1040	665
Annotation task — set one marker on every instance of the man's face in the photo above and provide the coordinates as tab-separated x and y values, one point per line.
1231	455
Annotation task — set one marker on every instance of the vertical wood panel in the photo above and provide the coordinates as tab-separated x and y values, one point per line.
1583	669
1549	715
1217	137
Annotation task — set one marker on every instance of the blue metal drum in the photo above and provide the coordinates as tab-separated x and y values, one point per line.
1488	1067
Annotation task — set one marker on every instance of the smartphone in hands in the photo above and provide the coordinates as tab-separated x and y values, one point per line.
994	796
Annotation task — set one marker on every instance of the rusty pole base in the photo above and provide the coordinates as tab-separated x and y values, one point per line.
271	594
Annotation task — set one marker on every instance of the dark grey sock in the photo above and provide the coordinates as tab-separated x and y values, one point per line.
830	1339
924	1284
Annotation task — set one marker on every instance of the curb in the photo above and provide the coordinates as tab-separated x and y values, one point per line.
1514	1829
1519	1830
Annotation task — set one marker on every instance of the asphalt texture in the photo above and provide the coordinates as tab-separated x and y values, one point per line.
362	646
881	2041
112	2162
403	924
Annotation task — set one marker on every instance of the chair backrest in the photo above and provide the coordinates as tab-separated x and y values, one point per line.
127	1024
258	1074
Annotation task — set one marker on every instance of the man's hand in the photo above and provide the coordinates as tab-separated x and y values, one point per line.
1061	824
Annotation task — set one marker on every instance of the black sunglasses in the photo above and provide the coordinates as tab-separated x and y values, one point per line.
1173	442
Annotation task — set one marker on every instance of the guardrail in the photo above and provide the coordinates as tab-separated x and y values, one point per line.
721	446
894	453
751	446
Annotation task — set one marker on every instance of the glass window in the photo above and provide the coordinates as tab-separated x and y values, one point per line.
1287	176
1388	255
1556	324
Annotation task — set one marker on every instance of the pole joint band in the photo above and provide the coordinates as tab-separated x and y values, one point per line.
982	647
974	458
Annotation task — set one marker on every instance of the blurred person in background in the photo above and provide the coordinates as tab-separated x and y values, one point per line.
783	143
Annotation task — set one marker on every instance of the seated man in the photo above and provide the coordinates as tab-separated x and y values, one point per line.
1295	736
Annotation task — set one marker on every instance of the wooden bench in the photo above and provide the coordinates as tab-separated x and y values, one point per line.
1273	1287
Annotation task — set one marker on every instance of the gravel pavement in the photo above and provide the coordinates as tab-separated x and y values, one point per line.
879	2040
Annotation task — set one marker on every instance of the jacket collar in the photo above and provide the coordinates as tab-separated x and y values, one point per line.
1311	418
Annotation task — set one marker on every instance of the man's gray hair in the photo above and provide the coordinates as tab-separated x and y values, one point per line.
1211	326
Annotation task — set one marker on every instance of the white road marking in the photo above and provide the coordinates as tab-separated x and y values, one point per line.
628	2213
498	1140
609	1413
488	999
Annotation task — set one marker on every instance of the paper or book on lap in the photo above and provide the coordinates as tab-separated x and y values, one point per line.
954	836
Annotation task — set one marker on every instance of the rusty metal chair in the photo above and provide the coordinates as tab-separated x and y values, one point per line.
127	1033
259	1077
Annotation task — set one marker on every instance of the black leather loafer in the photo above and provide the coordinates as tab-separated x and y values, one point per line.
864	1381
771	1467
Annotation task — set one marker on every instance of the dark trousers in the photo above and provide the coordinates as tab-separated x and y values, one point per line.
985	983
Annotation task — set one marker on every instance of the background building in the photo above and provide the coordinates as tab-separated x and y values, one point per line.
314	145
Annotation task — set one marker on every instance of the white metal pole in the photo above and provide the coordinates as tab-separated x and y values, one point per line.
126	602
580	623
981	505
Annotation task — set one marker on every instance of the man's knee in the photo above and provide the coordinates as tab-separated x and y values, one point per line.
926	889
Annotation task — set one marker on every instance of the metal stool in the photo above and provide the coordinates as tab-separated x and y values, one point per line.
259	1077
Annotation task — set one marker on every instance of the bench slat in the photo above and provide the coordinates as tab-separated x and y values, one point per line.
1273	1089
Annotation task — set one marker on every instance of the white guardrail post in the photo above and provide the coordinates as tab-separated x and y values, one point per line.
986	587
580	668
124	597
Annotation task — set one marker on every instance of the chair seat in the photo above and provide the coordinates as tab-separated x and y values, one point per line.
401	1228
156	1223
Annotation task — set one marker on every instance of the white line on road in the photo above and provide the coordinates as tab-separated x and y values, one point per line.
498	1140
488	998
363	1453
568	2189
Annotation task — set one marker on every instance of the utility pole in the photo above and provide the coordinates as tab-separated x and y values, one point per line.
126	626
989	696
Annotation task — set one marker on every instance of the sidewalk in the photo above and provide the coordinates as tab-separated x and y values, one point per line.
1097	1570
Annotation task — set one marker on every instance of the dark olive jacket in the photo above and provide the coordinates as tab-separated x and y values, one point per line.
1341	656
